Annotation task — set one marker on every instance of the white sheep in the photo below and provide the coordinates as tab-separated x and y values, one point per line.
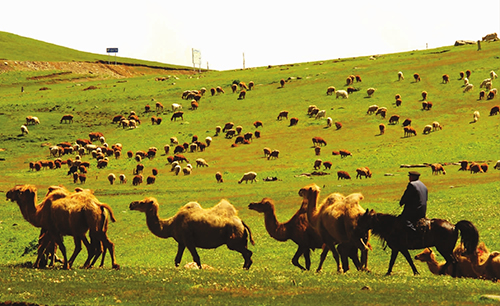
468	88
497	165
329	122
400	76
342	93
321	114
436	126
187	170
177	169
466	81
476	116
370	91
493	75
174	164
330	90
111	178
102	139
200	162
176	106
24	130
54	150
484	82
208	140
249	176
173	140
372	109
427	129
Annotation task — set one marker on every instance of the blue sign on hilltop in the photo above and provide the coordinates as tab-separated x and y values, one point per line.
112	50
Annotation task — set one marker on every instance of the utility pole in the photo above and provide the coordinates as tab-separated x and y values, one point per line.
243	60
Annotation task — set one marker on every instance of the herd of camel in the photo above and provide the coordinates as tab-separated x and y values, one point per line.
338	224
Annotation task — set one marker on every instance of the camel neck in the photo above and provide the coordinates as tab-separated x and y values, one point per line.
312	214
159	227
30	210
275	229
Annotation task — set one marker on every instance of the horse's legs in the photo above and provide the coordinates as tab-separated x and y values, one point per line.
394	255
447	253
295	260
407	255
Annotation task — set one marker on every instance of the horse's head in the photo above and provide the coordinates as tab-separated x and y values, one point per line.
361	232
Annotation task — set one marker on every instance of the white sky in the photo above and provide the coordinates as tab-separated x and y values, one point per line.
268	32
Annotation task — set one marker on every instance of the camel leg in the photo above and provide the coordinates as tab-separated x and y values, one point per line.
180	251
322	258
194	254
109	246
295	259
59	241
78	247
394	255
407	255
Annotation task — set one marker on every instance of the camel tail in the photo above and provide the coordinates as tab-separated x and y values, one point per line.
108	208
469	235
249	232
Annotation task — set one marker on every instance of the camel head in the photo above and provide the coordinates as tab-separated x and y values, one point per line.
425	256
22	194
265	205
305	191
147	205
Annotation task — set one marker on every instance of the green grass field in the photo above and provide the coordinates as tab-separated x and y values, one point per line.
148	275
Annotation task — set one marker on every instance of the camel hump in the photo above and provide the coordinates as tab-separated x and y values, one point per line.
224	209
333	199
191	205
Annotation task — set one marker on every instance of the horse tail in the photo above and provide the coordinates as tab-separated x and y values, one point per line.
469	235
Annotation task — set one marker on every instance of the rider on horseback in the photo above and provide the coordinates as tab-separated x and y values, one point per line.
414	200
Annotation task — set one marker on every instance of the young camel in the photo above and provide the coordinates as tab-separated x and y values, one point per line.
464	264
192	227
335	220
298	230
62	213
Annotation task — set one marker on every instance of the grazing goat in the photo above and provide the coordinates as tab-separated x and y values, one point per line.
67	118
394	119
330	90
416	76
427	129
327	165
257	123
400	76
249	176
495	110
218	177
242	95
468	88
338	125
318	141
370	91
343	175
317	164
372	109
446	78
282	83
282	114
436	126
178	114
274	154
381	128
363	171
344	153
437	169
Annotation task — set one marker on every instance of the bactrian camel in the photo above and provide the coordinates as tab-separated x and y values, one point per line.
298	230
335	220
465	267
63	213
192	227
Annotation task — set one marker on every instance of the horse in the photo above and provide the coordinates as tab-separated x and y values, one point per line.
439	233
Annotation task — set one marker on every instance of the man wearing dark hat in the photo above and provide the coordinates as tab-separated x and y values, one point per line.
414	201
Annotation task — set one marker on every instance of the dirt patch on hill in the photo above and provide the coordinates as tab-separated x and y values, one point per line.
99	69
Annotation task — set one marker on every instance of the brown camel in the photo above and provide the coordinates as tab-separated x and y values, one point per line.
192	227
486	265
464	265
335	220
62	213
298	230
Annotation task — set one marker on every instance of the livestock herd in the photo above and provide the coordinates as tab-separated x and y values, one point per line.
236	233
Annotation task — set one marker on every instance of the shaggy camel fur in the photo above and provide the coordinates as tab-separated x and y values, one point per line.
484	264
464	264
298	230
192	227
335	220
62	213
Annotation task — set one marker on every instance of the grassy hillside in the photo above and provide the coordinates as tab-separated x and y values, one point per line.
19	48
148	274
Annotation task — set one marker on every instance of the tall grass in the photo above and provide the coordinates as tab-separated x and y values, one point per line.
148	275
